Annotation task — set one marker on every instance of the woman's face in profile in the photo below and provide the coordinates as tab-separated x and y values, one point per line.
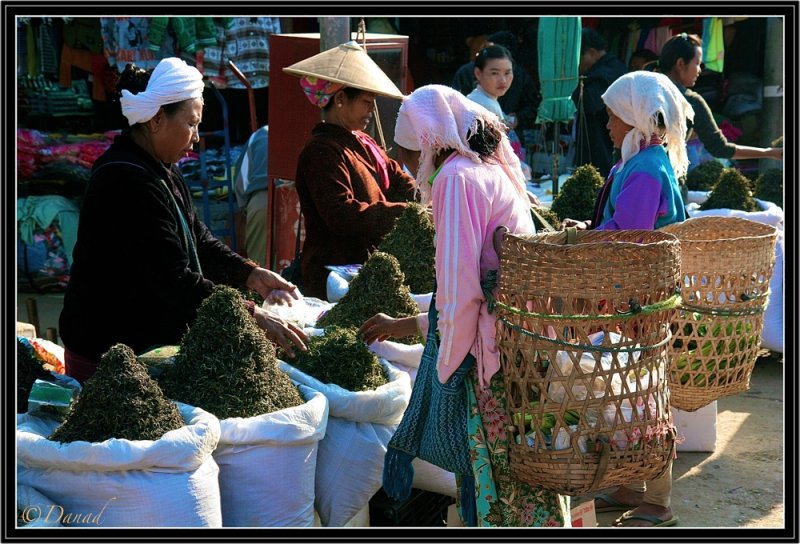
355	114
617	128
175	136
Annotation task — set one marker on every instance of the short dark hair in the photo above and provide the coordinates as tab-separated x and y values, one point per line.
680	46
591	39
350	92
489	52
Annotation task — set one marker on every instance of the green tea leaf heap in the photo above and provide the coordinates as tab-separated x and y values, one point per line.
120	400
548	216
704	176
769	186
731	192
411	242
575	200
340	356
226	365
378	287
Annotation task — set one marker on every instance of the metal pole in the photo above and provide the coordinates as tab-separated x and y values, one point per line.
772	109
333	31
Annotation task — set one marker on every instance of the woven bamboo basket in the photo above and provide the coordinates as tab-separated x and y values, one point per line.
726	266
583	332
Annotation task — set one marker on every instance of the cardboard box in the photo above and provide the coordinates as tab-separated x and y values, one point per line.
584	515
698	429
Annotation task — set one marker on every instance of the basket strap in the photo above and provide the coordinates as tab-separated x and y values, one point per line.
547	226
572	235
602	465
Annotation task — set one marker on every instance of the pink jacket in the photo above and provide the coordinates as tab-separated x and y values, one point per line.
469	202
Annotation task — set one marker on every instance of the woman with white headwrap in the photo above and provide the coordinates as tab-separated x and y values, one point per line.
470	176
647	123
144	261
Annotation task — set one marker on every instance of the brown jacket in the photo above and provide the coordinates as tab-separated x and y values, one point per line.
345	210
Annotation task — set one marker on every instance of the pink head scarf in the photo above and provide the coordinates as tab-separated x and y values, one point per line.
319	91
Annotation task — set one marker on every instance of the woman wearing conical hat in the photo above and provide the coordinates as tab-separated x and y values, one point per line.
350	191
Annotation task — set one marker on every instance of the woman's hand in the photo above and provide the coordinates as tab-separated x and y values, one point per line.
382	327
281	332
580	225
272	286
774	153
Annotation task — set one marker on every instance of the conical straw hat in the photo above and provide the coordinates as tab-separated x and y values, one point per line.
349	65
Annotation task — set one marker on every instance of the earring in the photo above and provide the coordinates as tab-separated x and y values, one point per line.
338	104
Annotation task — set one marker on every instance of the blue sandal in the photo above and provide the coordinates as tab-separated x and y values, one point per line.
612	504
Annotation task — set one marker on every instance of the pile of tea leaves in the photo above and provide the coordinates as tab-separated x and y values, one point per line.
731	192
226	365
411	241
378	287
704	176
250	294
576	198
120	400
548	216
341	357
29	369
769	186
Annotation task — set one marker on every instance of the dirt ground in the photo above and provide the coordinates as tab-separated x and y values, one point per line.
741	483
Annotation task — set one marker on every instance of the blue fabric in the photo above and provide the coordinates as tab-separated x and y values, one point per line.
434	426
652	161
41	211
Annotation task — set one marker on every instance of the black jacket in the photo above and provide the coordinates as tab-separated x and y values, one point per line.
593	144
131	281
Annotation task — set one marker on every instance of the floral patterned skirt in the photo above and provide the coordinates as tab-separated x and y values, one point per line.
502	500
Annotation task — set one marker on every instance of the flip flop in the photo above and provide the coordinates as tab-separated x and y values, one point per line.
655	520
613	505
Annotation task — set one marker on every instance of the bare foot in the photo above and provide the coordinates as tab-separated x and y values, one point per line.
638	517
622	495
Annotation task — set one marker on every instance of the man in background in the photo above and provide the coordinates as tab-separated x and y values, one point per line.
598	70
251	193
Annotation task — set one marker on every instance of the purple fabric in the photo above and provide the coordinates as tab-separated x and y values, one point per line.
638	205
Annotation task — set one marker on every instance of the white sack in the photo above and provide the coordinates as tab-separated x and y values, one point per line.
267	465
35	509
169	482
407	355
382	406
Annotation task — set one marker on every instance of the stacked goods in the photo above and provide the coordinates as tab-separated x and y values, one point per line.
411	242
119	401
29	369
769	186
226	365
704	176
379	287
341	357
732	191
575	200
583	347
726	266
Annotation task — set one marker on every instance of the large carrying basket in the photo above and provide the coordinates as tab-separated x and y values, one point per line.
582	330
726	266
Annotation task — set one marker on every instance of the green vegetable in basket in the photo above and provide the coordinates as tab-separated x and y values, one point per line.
769	186
575	199
704	176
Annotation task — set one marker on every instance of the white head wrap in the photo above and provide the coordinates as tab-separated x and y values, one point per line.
171	81
436	117
637	98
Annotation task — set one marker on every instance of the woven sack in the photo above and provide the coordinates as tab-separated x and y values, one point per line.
582	327
726	267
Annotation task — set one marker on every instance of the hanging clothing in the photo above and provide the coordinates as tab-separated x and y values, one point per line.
41	211
247	45
126	40
713	44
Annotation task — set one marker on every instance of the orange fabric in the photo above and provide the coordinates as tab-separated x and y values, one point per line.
93	63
